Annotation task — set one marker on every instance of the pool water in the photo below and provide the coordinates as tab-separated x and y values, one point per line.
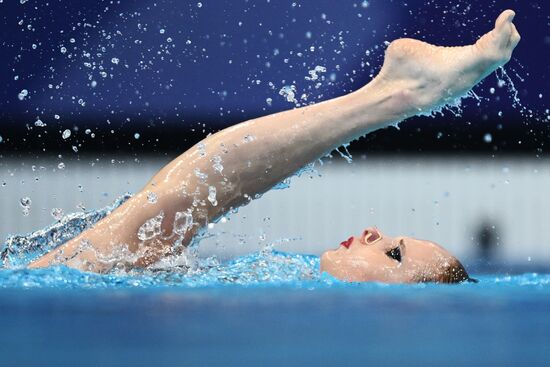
267	308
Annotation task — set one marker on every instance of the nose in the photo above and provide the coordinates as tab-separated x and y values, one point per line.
370	236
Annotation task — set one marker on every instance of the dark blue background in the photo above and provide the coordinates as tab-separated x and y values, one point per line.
222	56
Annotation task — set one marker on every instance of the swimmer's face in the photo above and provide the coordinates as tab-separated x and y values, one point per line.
373	256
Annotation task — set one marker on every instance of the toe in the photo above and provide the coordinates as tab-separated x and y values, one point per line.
504	29
505	18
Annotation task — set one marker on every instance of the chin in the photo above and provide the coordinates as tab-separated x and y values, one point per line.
329	264
324	260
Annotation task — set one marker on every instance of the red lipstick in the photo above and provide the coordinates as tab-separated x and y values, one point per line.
347	243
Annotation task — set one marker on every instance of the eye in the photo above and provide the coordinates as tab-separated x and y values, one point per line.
395	253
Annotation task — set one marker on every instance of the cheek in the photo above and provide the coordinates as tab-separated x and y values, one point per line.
373	266
353	266
339	265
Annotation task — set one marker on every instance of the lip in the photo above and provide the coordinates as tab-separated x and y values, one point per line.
347	243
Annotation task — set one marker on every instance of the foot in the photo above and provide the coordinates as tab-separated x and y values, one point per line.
426	77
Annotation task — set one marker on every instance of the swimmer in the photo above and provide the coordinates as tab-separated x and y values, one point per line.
228	169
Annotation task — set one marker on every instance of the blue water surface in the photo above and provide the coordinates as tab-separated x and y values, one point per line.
264	309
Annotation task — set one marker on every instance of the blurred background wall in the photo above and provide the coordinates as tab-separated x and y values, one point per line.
98	95
493	210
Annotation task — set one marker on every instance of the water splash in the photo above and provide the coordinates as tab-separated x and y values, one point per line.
20	250
345	154
183	222
187	270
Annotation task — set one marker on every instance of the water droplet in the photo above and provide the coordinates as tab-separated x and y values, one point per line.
151	228
136	136
183	222
152	197
289	93
314	74
57	117
492	90
25	203
66	134
199	5
201	176
115	60
162	31
248	138
61	165
57	213
63	49
217	163
488	138
23	94
39	123
212	195
269	101
202	149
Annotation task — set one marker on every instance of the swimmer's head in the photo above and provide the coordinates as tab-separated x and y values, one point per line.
373	256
